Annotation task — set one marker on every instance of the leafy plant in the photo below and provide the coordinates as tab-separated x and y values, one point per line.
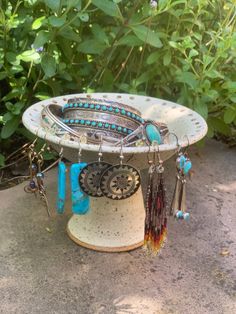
179	50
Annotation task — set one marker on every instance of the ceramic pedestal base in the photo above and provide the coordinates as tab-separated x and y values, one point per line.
110	226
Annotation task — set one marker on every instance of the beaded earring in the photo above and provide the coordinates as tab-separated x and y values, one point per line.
155	205
61	184
183	167
80	201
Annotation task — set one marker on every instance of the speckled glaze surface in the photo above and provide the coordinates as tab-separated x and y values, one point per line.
115	226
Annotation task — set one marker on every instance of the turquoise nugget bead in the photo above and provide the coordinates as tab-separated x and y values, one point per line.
75	105
113	126
186	216
86	105
100	124
123	111
71	105
88	122
72	121
179	214
98	107
187	166
128	114
80	105
67	121
130	131
76	121
94	123
92	106
119	128
117	110
82	121
104	108
110	109
133	115
125	130
153	133
106	125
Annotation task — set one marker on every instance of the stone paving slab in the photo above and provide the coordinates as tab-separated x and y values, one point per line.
45	272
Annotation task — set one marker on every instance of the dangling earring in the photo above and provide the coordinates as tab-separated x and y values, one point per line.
183	166
90	175
80	201
156	218
32	186
40	177
61	184
120	181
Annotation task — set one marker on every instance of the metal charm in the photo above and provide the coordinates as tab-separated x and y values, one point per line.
89	178
120	182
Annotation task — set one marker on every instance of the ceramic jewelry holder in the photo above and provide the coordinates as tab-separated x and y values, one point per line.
110	225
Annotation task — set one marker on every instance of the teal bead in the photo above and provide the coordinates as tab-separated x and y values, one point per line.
187	166
71	105
123	111
179	214
128	114
67	121
119	128
92	106
76	121
153	133
180	162
80	105
104	108
75	105
98	107
130	131
100	124
142	120
186	216
82	122
72	121
110	109
113	126
133	115
88	122
106	125
86	105
124	130
94	123
117	110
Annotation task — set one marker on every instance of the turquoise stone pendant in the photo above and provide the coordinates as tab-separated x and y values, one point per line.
61	187
80	201
153	133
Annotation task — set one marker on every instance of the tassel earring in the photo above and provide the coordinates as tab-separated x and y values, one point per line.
156	218
183	167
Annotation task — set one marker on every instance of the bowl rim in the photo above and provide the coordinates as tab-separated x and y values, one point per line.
39	131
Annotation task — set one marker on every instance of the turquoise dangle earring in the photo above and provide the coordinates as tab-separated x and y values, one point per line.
61	184
80	201
183	167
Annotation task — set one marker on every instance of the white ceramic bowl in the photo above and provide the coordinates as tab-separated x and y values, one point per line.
188	126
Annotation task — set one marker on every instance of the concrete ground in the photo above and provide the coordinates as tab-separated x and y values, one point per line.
43	271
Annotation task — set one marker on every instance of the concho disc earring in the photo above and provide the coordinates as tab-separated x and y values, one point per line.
90	176
120	181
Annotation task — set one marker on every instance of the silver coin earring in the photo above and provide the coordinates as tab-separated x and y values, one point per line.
120	181
90	175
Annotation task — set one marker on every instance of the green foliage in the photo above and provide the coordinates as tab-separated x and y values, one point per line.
182	50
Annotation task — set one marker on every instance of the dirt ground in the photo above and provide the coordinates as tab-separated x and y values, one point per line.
43	271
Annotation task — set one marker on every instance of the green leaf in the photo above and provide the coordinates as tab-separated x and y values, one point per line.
68	33
2	160
231	86
147	35
201	108
41	39
83	16
230	115
29	56
108	7
233	99
167	58
56	21
54	5
38	22
49	66
153	57
187	78
174	44
130	41
3	75
91	46
10	127
219	125
193	53
100	34
42	96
